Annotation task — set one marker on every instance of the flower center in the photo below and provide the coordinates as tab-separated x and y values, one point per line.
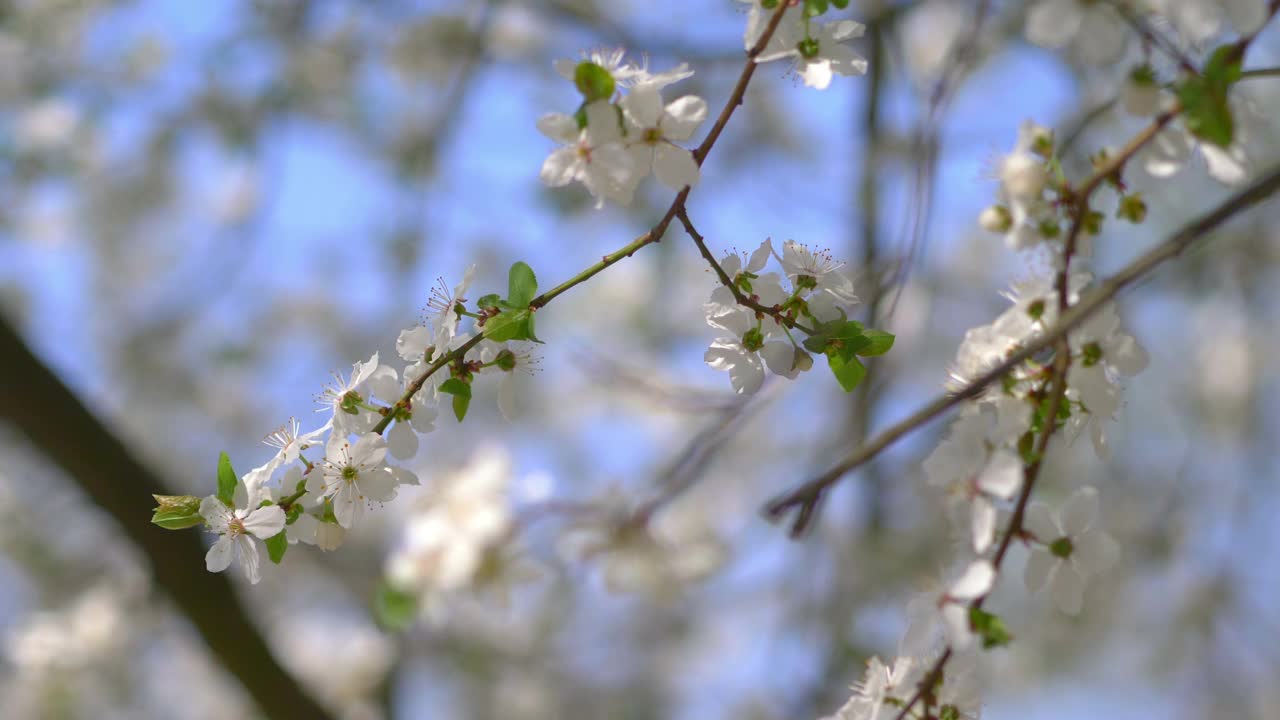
1062	547
350	473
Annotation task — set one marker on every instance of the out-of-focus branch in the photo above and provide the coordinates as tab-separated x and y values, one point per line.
57	423
806	497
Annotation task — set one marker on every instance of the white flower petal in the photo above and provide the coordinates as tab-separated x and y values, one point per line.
1040	565
1080	511
976	581
683	116
219	556
559	127
674	166
1095	552
1039	521
248	553
1002	476
265	522
402	441
983	523
1067	588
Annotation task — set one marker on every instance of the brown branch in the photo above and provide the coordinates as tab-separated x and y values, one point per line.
805	497
60	426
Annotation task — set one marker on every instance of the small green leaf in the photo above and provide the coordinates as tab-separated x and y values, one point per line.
848	371
276	545
460	405
1206	110
841	4
488	302
522	285
511	325
395	609
461	393
227	480
455	387
880	343
989	627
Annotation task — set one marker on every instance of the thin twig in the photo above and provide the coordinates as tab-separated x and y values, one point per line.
805	497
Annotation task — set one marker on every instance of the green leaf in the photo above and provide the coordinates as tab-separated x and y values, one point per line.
1206	111
880	342
395	609
461	393
841	4
456	387
522	285
989	627
511	325
227	480
488	302
848	371
276	545
460	405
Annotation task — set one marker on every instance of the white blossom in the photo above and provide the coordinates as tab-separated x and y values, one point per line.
235	525
355	475
655	129
1073	546
819	55
594	156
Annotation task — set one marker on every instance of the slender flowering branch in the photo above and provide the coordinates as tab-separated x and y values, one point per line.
653	235
805	498
774	312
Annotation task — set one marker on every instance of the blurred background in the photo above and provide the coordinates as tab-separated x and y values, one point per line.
208	207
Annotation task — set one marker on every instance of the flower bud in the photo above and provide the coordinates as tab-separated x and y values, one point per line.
1023	175
996	219
176	512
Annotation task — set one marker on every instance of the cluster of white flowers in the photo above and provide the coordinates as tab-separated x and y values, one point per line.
816	50
317	500
613	141
460	538
819	292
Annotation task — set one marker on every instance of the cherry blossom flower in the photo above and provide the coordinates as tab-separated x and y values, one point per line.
1072	547
650	140
594	156
818	56
235	525
355	475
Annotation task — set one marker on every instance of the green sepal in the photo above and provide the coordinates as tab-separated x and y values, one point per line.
814	8
293	513
840	4
276	546
227	481
394	609
989	627
488	302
